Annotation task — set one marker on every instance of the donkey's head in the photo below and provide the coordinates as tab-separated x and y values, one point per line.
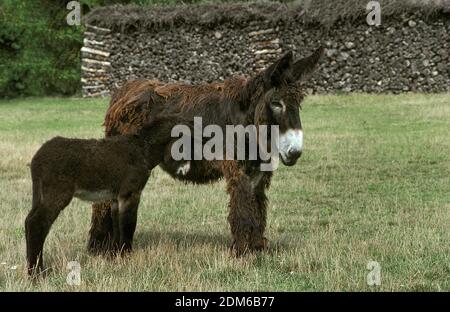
280	99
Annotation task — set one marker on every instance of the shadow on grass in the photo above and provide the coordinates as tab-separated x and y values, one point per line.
180	238
183	239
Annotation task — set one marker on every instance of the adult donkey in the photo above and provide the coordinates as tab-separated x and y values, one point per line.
271	97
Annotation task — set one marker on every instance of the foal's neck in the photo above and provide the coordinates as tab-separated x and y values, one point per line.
151	151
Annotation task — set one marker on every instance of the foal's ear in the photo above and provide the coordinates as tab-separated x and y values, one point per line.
303	68
279	72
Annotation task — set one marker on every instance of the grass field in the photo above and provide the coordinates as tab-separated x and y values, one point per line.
372	184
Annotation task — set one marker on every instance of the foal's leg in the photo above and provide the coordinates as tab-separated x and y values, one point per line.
243	217
35	233
38	222
128	206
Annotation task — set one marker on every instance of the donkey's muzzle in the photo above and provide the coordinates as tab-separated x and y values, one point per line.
291	146
291	156
290	159
294	154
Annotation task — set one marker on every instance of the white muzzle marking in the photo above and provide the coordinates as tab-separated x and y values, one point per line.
291	141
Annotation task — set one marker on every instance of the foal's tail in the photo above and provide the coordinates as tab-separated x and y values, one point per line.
37	193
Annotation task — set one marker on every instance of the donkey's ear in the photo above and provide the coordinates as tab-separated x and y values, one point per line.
303	68
279	72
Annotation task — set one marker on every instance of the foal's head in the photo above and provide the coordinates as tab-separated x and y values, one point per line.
277	101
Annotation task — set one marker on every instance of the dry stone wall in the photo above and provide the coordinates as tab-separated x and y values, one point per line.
407	52
95	61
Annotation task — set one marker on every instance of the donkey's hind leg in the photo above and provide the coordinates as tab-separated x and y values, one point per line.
115	244
45	210
101	232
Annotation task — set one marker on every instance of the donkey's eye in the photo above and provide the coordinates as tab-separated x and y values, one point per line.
277	105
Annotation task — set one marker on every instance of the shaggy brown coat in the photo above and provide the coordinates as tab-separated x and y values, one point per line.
236	101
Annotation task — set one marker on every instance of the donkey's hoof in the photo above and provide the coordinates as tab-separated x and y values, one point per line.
238	249
261	245
125	251
100	247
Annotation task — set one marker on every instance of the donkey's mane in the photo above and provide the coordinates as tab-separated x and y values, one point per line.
192	94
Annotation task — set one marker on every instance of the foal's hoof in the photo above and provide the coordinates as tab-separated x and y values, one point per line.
36	273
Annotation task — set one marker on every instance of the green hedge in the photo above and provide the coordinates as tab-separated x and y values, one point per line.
39	52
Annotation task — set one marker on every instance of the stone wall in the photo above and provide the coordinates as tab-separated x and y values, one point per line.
408	52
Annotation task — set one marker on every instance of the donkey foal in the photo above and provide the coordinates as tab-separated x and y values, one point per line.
115	168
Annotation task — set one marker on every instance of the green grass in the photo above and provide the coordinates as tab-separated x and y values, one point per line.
373	184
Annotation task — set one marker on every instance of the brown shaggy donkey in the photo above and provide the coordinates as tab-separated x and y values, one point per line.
271	97
115	168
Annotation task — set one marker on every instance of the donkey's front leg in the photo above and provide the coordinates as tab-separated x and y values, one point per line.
244	217
260	183
128	207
